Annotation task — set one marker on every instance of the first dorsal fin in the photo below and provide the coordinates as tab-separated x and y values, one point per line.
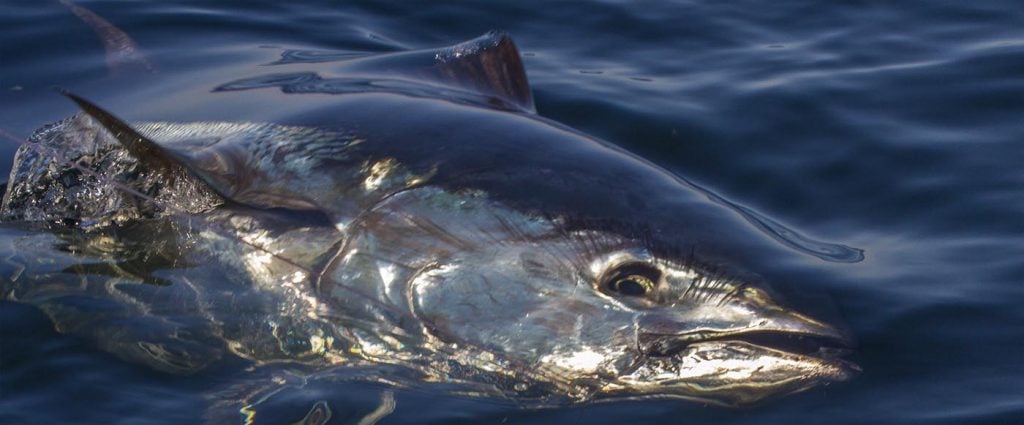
488	64
142	148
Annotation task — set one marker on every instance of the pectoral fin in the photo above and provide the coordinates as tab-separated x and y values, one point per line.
187	190
140	147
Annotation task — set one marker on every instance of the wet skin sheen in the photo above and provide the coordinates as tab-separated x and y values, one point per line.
429	222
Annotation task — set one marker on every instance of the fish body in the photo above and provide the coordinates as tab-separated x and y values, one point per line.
415	214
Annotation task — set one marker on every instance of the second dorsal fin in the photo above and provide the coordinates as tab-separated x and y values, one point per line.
123	54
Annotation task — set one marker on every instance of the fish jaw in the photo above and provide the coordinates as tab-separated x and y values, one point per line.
731	373
735	354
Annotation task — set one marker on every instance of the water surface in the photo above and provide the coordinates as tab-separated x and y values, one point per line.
892	127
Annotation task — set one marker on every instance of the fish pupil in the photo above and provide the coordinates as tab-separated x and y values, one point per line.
633	280
631	286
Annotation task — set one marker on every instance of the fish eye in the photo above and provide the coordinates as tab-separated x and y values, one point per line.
633	280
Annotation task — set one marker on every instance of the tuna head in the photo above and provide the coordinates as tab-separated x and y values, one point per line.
594	312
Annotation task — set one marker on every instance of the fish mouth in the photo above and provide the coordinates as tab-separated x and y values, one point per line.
740	366
825	346
765	325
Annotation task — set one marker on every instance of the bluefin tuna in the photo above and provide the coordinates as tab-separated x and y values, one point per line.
415	215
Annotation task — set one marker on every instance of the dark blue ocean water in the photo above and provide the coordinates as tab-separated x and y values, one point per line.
894	127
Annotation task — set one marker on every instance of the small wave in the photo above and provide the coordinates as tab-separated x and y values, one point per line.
315	56
833	252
